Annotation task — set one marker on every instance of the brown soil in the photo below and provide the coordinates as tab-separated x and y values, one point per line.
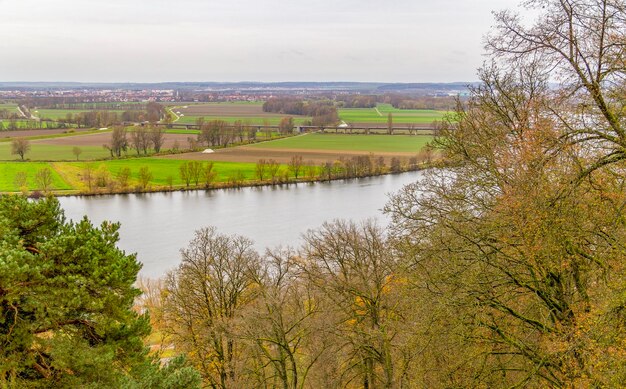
249	154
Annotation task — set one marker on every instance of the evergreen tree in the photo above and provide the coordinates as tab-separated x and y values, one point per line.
66	297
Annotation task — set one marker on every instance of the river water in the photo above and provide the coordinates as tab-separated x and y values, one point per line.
157	225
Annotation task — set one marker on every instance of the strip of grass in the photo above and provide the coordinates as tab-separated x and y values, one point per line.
53	136
9	170
365	143
24	124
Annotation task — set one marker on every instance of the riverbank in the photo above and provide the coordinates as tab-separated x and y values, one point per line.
279	182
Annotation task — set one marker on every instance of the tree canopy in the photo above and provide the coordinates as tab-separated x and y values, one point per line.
66	293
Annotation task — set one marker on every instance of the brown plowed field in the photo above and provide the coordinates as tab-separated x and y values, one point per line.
228	110
99	139
249	154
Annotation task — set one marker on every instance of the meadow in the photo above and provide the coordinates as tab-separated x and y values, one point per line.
9	171
6	124
61	114
379	114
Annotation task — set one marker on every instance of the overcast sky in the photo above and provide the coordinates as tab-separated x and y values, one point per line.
244	40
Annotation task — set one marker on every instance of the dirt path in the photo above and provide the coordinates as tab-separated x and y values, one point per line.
378	112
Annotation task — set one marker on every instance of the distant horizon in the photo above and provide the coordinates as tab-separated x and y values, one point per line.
238	82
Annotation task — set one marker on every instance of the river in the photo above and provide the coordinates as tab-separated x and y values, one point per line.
157	225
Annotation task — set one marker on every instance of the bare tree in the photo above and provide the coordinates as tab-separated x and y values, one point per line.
286	125
20	146
123	176
77	151
295	165
354	267
205	295
140	138
145	176
195	171
185	173
43	178
209	174
272	168
156	136
21	180
119	142
260	169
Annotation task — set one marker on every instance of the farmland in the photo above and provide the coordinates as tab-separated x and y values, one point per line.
379	114
25	124
56	150
251	112
362	143
68	176
320	148
61	114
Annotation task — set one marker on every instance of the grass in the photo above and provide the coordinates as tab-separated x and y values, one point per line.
257	121
44	152
9	170
365	143
52	136
56	114
67	175
22	124
161	169
399	116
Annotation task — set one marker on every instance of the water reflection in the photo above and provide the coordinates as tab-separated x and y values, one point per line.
157	225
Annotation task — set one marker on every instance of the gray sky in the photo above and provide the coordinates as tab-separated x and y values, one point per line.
244	40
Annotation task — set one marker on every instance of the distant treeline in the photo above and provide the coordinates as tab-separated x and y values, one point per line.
437	103
299	106
8	114
323	112
95	103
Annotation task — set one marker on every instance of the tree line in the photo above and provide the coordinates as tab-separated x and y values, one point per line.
505	269
323	112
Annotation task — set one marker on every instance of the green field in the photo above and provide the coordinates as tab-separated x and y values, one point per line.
56	114
161	169
26	124
8	171
399	116
8	106
44	152
366	143
67	175
273	121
